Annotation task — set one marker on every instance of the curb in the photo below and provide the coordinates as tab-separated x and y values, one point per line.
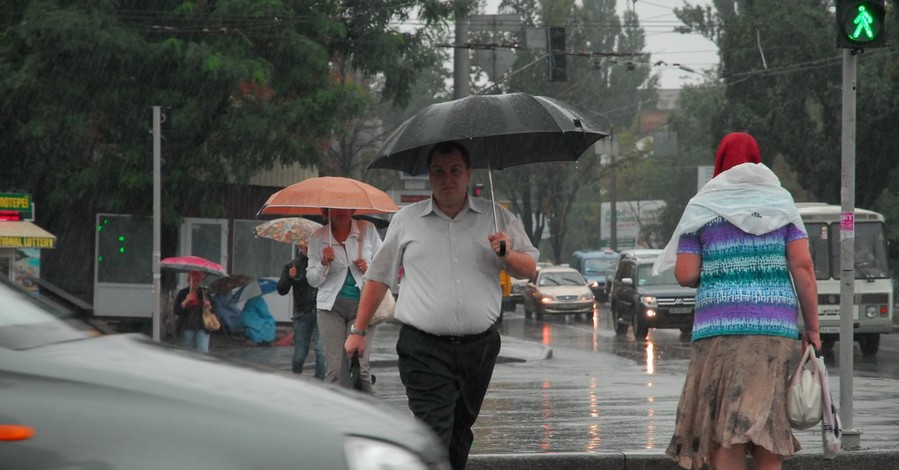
847	460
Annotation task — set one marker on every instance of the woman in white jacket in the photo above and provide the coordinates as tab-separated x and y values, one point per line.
339	254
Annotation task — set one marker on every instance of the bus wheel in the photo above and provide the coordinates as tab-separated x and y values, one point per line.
869	343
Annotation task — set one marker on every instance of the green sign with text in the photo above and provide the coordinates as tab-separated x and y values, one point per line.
16	202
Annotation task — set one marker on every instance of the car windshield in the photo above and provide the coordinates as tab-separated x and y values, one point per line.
561	279
598	265
664	278
26	323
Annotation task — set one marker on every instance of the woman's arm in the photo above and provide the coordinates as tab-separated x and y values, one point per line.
799	262
687	269
315	272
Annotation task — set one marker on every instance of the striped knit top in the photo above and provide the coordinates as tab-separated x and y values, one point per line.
745	286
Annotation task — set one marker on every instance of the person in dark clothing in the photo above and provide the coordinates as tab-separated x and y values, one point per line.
188	308
305	326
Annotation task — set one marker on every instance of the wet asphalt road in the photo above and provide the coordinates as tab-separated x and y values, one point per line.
601	392
597	392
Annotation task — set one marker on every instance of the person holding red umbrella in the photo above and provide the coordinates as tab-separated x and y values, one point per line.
189	304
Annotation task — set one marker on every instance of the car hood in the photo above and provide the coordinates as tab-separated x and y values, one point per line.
668	291
565	290
155	406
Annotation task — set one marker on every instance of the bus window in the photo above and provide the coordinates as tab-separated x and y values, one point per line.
870	251
818	245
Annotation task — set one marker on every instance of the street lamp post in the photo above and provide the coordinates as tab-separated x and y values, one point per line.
610	147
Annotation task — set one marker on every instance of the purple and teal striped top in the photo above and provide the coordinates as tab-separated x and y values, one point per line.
745	286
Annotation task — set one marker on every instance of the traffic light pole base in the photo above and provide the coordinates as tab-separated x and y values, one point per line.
851	439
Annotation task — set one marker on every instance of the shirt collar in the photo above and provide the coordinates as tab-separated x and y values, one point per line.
474	204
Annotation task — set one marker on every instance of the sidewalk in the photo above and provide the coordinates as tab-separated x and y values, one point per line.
383	355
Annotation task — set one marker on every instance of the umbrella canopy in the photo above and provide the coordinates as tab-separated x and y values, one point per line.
286	230
254	288
193	263
309	196
499	131
227	284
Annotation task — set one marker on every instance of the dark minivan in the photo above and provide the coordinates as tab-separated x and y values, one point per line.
643	301
596	266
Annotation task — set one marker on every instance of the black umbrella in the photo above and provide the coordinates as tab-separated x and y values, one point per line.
499	131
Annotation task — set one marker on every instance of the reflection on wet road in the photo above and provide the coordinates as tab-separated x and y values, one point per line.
603	392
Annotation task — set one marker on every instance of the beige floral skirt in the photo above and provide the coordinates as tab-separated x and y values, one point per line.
734	393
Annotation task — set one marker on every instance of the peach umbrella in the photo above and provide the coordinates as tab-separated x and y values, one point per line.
309	196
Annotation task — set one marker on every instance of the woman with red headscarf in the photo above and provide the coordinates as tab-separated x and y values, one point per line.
189	304
742	244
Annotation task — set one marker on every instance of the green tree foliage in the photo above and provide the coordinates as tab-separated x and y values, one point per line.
604	82
249	83
782	78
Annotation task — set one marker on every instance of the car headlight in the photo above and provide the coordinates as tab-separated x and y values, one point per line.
363	453
545	299
586	298
649	301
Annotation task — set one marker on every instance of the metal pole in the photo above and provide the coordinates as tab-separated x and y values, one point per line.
460	59
157	220
851	439
613	195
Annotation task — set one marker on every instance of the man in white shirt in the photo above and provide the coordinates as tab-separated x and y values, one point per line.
449	297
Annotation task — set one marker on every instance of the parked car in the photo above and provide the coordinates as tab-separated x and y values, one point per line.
558	290
642	301
73	398
596	266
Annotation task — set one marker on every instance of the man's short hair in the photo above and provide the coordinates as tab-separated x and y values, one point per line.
449	146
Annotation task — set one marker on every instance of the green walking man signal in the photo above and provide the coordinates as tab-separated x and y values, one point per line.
860	24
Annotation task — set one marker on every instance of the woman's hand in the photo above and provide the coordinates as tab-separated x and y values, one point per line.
813	337
327	256
190	299
361	264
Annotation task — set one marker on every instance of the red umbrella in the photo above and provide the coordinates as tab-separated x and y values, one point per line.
193	263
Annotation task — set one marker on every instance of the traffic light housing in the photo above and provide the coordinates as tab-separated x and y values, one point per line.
165	137
558	69
860	24
477	190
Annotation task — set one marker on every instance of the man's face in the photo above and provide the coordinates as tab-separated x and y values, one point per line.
449	177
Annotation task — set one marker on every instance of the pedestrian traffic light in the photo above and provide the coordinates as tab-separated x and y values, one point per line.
558	70
860	24
477	190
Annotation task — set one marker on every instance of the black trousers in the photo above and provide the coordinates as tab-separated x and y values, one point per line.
446	378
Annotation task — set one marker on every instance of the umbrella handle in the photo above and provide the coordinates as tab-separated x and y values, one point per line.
502	244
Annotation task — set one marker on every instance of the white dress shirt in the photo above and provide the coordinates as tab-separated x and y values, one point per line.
450	283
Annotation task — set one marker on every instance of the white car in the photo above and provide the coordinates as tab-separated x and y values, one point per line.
558	290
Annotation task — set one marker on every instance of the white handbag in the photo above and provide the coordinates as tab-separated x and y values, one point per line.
804	395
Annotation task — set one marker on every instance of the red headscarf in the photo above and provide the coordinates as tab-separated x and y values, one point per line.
735	149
